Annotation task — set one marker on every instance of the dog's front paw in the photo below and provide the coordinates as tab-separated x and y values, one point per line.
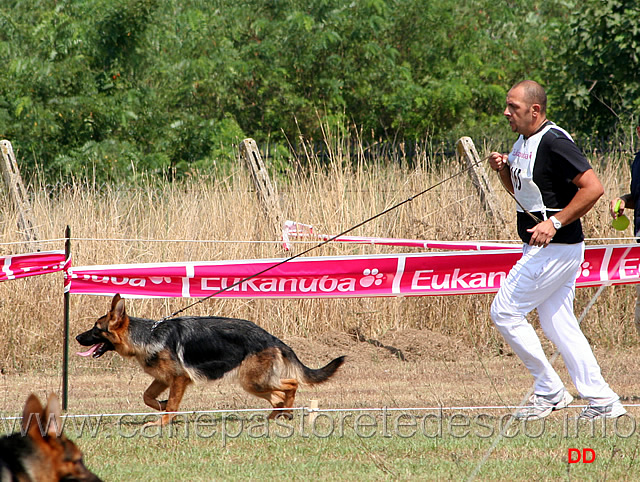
160	421
156	423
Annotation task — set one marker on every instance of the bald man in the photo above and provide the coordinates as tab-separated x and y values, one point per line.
554	186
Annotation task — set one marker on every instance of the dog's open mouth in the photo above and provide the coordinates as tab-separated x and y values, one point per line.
96	351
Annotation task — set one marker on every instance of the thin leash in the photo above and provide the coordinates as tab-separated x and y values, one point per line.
531	215
362	223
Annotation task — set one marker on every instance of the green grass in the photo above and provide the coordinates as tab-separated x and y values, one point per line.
339	446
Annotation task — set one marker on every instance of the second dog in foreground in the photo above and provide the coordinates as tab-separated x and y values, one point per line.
40	452
182	350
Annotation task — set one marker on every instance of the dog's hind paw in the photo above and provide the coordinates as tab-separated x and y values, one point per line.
281	414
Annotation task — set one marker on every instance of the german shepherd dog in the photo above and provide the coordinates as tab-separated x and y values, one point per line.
180	351
40	452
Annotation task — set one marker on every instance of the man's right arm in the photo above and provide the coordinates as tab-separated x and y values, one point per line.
498	163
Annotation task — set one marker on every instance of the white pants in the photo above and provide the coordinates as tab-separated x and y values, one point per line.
544	278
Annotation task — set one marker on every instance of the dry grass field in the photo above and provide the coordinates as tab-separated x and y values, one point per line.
451	353
208	218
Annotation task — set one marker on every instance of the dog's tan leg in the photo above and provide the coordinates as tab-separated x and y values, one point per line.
274	396
277	398
176	392
151	395
259	375
288	387
280	397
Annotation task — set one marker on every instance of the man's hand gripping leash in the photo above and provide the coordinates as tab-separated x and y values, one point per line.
543	232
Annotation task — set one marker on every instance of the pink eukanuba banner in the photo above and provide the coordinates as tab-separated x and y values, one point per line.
420	274
31	264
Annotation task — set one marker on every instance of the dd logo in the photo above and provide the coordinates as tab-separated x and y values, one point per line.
587	456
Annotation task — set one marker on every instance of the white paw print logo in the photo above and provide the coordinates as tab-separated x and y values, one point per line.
585	269
371	277
156	280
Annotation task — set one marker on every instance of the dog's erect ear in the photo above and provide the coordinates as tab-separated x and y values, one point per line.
52	416
115	300
32	417
118	315
119	310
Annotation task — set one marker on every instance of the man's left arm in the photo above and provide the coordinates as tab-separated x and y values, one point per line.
589	191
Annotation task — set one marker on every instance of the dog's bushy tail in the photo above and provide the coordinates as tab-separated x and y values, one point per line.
294	368
312	376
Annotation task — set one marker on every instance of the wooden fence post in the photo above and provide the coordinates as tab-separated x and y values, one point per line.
313	411
466	148
264	187
13	181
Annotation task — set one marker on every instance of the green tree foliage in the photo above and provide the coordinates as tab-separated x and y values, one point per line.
112	88
599	71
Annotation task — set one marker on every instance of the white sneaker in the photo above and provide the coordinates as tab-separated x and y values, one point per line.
595	412
542	405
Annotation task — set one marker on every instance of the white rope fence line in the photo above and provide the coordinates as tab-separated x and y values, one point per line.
279	242
307	410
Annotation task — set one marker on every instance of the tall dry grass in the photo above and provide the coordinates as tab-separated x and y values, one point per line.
220	218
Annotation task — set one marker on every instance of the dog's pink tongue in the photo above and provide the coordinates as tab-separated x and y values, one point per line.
90	351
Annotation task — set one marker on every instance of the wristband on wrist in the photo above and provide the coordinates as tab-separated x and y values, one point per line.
556	224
